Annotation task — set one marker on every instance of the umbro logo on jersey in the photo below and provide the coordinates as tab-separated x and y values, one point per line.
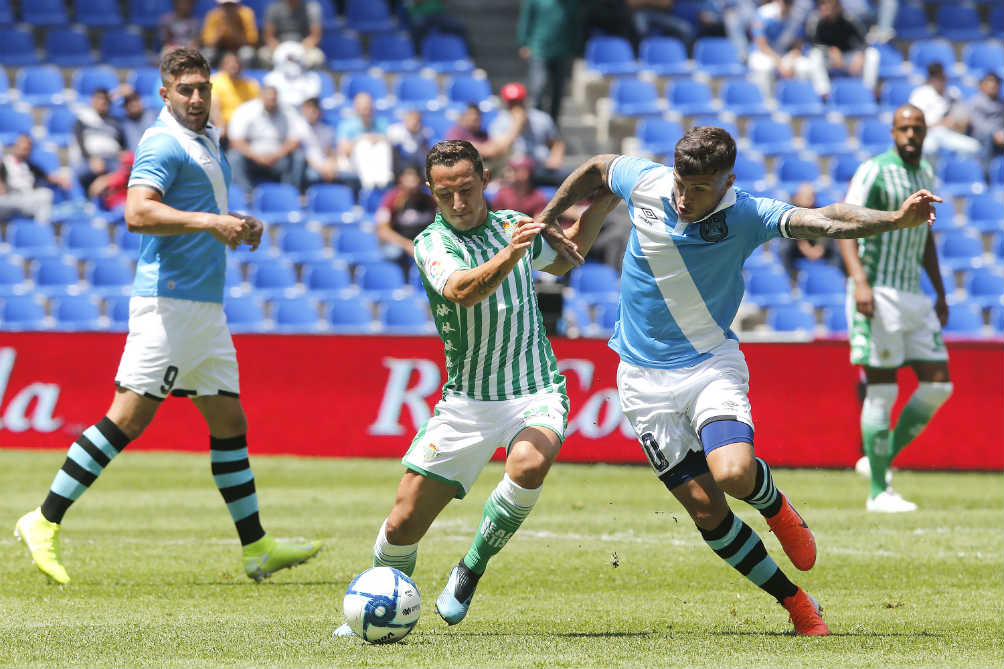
648	213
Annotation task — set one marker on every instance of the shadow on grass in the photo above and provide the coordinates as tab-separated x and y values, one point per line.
851	633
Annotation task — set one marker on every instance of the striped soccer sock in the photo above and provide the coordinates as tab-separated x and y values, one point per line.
86	459
232	475
735	542
386	554
765	497
506	509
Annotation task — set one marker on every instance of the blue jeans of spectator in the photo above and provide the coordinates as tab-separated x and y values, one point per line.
547	78
247	173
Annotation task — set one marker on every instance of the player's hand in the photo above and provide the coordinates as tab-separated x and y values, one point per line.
229	229
864	299
253	229
522	236
918	209
941	310
565	247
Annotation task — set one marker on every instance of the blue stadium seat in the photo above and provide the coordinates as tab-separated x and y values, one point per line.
233	279
58	122
995	20
769	288
842	170
798	98
406	316
997	246
393	53
359	82
77	313
381	280
750	173
446	54
17	48
272	278
795	171
873	135
982	57
12	278
244	314
961	251
691	98
416	91
891	64
438	123
985	287
327	279
357	246
744	99
894	94
84	241
664	57
790	318
128	243
370	198
465	89
717	57
147	13
822	285
330	204
960	177
123	48
985	213
850	97
68	48
595	282
931	51
959	23
771	138
350	315
659	136
31	240
575	316
835	320
45	13
635	97
826	138
117	311
276	203
343	52
298	243
55	276
911	22
610	56
86	80
997	319
146	82
98	13
607	313
41	85
5	93
6	13
947	282
14	123
22	312
964	319
111	276
296	314
329	15
369	16
997	171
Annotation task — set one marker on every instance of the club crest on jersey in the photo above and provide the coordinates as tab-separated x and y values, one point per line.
508	227
714	228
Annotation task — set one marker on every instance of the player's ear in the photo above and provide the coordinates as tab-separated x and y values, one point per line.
163	93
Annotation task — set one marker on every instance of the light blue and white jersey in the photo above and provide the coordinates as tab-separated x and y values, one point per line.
681	283
191	174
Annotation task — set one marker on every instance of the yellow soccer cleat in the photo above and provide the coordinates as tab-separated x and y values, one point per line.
42	539
267	556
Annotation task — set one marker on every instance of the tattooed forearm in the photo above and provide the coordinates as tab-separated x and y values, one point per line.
840	221
585	180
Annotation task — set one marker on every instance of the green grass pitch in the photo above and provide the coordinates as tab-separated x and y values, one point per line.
607	571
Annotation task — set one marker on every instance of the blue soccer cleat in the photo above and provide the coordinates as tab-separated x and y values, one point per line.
455	599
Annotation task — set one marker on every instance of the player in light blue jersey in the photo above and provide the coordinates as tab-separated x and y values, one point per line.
682	379
178	340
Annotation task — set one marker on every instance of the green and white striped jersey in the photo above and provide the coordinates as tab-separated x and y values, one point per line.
892	258
496	349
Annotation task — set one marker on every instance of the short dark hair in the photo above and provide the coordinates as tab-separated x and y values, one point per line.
704	150
183	59
935	70
314	102
449	152
131	96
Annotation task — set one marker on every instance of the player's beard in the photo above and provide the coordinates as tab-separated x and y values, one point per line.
195	124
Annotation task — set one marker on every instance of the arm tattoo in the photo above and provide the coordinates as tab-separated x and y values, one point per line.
586	179
838	221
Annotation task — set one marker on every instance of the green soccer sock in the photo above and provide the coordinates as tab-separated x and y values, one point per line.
917	413
386	554
879	398
505	510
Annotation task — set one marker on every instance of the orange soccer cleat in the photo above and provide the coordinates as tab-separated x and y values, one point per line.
804	613
795	536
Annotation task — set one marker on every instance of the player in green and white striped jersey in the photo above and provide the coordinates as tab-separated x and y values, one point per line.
893	322
503	388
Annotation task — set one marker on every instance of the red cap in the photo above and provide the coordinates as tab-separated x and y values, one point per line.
513	91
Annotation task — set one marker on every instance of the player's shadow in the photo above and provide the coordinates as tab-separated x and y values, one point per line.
266	583
849	633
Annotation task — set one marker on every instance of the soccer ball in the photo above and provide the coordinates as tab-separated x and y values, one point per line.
382	605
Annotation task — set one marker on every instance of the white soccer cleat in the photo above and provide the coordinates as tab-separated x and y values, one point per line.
889	501
342	631
864	468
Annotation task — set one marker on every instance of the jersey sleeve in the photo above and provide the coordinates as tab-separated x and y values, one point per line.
624	172
773	216
860	189
158	158
438	257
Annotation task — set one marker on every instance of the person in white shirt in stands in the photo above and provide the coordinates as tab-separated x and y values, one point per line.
265	142
290	77
944	114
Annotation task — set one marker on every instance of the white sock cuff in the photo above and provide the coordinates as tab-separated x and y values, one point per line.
517	495
933	393
877	407
384	547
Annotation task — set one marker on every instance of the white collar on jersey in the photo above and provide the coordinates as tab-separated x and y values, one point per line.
727	201
212	133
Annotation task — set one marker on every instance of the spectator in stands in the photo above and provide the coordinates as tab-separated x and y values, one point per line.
778	31
405	211
839	44
290	77
609	17
945	114
986	117
549	34
411	140
320	146
230	26
427	16
469	128
179	28
796	251
24	186
655	17
735	18
518	192
294	21
98	138
535	135
231	89
110	189
363	148
265	139
136	120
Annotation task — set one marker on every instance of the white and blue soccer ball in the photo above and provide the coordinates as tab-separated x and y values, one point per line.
382	605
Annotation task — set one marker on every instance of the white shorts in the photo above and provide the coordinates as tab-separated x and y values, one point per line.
903	329
458	441
668	407
179	347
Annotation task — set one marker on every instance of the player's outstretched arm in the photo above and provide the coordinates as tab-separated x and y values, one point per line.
588	178
585	230
147	214
849	221
469	286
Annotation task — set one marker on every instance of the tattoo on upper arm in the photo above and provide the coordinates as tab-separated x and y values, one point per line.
838	221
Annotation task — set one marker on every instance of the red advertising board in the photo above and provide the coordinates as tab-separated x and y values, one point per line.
349	396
